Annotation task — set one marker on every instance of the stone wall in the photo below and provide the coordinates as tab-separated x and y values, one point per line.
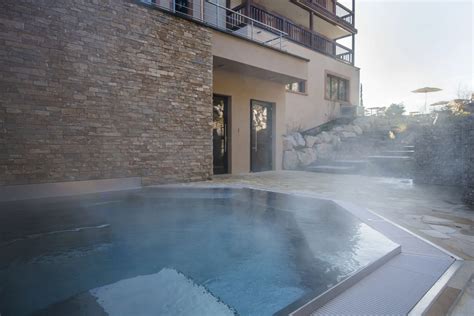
438	154
102	89
444	154
468	147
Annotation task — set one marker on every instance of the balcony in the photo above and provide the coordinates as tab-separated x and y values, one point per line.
330	10
293	32
248	20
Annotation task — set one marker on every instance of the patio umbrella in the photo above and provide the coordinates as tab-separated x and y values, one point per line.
426	90
439	103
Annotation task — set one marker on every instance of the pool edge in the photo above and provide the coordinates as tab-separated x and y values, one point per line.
320	300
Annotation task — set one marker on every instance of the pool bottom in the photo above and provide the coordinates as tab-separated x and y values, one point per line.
255	251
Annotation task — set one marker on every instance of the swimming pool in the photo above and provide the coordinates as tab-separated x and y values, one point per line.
250	252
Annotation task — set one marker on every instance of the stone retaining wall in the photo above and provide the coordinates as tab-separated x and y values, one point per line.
302	149
102	89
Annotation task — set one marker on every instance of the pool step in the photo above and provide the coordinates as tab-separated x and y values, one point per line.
167	292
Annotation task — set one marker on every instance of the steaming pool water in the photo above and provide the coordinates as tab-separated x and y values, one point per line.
169	251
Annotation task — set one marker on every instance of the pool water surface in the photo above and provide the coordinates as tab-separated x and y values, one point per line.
254	251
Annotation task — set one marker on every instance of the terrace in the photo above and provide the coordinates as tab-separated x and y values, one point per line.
236	19
253	20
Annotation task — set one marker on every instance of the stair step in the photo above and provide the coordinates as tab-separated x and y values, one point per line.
331	169
382	157
398	153
358	164
351	162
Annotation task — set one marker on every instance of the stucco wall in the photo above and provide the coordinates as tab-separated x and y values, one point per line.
242	89
312	109
102	89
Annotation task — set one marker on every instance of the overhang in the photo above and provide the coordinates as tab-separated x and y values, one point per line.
235	54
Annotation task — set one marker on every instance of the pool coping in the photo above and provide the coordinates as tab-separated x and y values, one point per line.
298	309
20	192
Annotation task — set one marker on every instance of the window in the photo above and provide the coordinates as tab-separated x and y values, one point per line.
180	6
183	6
337	89
299	86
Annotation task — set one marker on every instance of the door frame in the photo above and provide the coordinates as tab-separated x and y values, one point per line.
227	159
273	120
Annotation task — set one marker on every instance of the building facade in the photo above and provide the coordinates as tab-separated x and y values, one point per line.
166	90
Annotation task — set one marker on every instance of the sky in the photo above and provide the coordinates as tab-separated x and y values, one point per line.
403	45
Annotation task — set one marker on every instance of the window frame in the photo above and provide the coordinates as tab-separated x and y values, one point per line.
302	87
328	83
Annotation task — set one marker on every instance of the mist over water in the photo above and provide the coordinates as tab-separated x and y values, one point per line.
256	251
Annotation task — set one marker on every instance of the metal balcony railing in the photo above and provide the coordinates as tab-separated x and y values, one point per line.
331	9
217	16
297	33
255	23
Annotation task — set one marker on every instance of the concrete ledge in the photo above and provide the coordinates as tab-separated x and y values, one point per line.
43	190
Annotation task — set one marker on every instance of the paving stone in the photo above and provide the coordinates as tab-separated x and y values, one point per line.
444	229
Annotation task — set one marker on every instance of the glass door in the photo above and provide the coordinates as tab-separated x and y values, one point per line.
220	134
261	138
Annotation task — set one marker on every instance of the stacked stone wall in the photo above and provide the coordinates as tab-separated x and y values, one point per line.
102	89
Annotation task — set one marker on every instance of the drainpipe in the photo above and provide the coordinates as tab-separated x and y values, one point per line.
202	10
353	13
353	49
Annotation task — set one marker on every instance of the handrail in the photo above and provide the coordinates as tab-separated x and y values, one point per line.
247	17
222	18
240	6
302	35
346	19
344	7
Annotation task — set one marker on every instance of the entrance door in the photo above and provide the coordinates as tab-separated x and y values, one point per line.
220	139
261	150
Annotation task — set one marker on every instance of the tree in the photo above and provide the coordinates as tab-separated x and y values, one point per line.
395	110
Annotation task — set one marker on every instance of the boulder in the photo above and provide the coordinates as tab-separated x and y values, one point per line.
310	140
365	123
346	135
324	151
325	137
336	141
299	140
348	128
306	156
290	160
318	140
358	130
288	143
